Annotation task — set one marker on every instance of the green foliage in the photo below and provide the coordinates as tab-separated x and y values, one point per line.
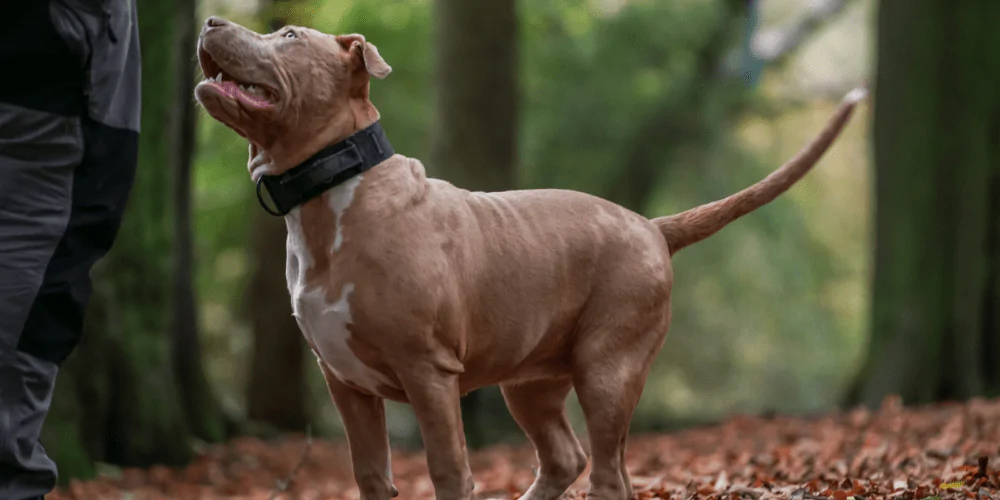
593	83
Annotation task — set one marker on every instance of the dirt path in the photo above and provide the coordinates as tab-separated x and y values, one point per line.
950	451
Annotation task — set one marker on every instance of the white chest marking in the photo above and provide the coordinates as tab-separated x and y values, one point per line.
298	260
326	324
339	199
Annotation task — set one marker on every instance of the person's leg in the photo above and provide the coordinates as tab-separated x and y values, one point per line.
38	153
54	321
101	185
43	293
41	144
68	151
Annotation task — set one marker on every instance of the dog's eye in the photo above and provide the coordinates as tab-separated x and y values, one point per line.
290	34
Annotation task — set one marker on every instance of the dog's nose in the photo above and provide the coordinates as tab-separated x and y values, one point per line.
215	22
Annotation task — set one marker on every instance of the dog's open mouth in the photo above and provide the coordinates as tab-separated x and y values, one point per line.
253	94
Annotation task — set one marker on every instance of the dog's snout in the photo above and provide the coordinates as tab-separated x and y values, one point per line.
215	22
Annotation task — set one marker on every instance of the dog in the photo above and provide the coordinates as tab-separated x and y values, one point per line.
410	289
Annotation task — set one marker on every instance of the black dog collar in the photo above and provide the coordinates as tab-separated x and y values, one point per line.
332	166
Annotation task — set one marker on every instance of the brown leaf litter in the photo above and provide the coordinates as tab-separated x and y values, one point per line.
946	451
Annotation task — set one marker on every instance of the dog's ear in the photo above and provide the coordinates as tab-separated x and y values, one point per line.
366	54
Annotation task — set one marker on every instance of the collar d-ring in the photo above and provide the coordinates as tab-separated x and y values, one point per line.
260	199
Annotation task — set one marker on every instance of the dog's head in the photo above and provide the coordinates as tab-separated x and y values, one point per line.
287	89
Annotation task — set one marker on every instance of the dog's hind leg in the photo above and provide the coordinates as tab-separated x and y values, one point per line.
609	384
539	407
609	395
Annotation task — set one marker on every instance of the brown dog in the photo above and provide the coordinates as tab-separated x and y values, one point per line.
414	290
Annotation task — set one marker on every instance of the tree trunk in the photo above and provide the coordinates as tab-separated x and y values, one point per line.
474	140
137	417
935	333
474	143
277	390
204	414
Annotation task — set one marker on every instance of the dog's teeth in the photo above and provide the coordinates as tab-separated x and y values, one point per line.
243	88
218	77
252	89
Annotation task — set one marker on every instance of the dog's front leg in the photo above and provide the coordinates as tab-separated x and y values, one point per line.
434	396
364	423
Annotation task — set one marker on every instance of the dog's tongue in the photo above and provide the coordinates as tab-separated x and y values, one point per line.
229	88
232	89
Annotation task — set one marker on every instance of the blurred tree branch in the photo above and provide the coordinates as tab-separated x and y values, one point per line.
775	44
766	47
762	48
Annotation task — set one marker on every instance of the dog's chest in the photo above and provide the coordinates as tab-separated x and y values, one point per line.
327	325
325	316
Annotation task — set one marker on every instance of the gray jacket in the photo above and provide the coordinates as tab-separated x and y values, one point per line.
104	37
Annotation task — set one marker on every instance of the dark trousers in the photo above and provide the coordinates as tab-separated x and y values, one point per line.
64	182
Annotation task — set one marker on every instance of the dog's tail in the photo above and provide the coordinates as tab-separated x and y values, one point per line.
698	223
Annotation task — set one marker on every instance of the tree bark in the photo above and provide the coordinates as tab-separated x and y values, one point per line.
277	389
937	160
201	408
137	416
476	98
474	138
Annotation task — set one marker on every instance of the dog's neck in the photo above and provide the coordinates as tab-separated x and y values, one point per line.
324	228
286	152
316	227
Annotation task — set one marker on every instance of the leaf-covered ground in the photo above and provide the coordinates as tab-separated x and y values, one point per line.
945	451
